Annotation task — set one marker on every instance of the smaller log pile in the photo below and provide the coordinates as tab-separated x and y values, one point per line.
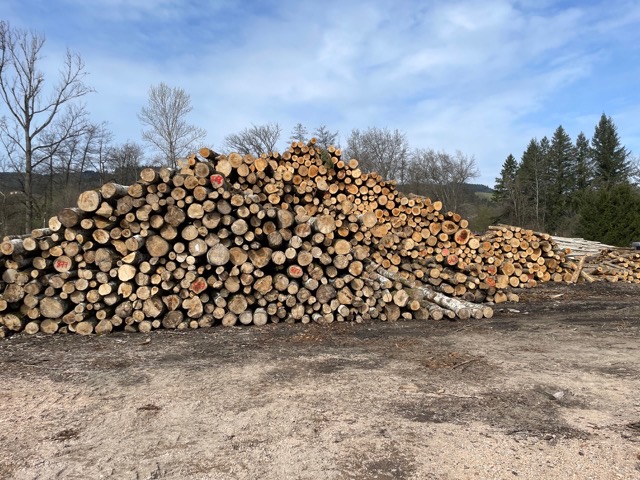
526	258
617	265
575	248
519	258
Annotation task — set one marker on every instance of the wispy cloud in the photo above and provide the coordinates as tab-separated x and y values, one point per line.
139	11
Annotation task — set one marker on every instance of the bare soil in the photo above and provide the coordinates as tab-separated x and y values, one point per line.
548	388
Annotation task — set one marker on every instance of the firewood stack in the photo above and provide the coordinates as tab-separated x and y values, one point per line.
592	261
520	258
298	237
575	248
611	265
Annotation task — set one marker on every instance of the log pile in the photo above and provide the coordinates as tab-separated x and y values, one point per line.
526	258
523	258
611	265
298	237
575	248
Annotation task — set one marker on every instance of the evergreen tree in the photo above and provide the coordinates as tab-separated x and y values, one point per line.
505	180
611	215
507	191
561	181
545	146
299	134
610	207
583	164
325	137
546	182
610	157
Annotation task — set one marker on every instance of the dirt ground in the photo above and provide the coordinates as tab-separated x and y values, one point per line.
547	389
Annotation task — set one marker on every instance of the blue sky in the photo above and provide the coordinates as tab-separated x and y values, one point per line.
483	77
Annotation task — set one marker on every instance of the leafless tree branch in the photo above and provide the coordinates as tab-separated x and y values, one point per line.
35	112
255	140
380	150
167	130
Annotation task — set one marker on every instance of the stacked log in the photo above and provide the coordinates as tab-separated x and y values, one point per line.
371	215
521	258
575	248
484	268
611	265
298	237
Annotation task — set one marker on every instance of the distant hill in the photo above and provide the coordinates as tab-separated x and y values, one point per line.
479	188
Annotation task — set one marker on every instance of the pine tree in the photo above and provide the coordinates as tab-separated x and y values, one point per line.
610	157
547	181
299	134
583	164
507	191
561	181
505	180
610	206
611	215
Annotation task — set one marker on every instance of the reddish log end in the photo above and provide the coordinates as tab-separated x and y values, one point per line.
217	180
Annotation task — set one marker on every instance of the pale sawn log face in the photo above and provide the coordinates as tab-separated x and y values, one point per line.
298	237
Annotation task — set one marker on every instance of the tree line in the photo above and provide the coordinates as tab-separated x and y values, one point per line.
586	189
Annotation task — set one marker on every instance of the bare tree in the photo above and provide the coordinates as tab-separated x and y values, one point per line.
380	150
255	140
441	175
58	170
125	162
32	110
168	131
67	168
102	138
4	214
325	137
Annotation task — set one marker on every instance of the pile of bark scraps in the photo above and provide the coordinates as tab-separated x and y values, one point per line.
237	240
